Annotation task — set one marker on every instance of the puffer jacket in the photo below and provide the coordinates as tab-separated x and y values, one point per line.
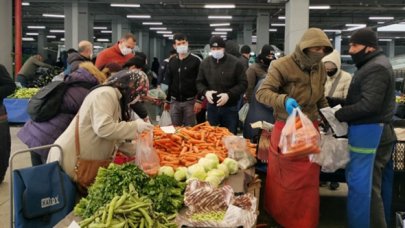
254	73
297	77
35	134
345	78
74	59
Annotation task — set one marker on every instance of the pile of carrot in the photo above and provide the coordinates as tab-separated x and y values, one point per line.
300	141
189	144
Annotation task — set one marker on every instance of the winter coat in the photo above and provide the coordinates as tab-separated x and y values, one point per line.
7	85
30	66
345	78
112	54
297	77
254	73
74	59
100	128
226	75
35	134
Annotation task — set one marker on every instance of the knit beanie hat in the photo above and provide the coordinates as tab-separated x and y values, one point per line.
365	36
245	49
217	41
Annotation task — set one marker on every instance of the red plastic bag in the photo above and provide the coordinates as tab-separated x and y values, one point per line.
299	137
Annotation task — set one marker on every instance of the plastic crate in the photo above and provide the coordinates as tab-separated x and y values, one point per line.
398	156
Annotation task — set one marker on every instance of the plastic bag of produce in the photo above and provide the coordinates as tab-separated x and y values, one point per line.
157	94
299	137
334	154
236	146
243	112
165	119
146	157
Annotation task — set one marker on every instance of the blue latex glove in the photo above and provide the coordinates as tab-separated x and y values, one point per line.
290	104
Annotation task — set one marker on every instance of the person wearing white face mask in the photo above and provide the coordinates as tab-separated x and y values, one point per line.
119	53
181	74
222	80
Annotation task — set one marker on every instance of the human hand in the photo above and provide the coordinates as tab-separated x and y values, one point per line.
143	126
166	106
223	98
290	104
208	95
197	107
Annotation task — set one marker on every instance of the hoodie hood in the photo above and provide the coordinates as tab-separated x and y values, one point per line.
333	57
231	47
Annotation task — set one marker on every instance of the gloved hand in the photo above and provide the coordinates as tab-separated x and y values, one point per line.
143	126
223	98
208	95
290	104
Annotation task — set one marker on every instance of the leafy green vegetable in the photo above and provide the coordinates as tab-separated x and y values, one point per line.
208	216
24	93
181	174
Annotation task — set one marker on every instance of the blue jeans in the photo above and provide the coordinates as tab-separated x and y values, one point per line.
223	117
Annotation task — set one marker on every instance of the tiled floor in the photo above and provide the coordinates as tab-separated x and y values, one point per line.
332	213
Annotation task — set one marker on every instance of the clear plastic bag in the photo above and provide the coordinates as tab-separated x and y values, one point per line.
157	93
299	137
146	157
165	119
334	154
243	112
237	149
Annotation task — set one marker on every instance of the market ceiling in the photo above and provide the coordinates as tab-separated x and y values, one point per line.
191	17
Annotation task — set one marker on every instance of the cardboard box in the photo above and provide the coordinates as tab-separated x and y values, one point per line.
240	181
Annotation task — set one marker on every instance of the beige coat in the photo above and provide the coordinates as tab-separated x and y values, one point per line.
100	129
296	76
345	78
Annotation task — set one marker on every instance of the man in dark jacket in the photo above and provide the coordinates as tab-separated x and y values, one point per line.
7	87
222	80
368	109
182	71
84	53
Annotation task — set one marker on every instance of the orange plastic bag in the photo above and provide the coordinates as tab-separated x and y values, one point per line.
299	137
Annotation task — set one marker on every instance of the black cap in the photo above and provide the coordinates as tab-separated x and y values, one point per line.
365	36
217	41
266	50
245	49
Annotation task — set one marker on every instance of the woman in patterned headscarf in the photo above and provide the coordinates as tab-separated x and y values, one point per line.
103	120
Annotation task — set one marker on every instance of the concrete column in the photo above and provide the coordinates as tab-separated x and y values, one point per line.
145	42
120	26
262	30
247	33
91	30
153	49
6	29
41	44
338	42
391	48
76	24
239	38
296	23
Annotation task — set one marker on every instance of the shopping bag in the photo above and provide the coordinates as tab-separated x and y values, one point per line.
146	157
334	153
299	137
165	119
243	112
264	145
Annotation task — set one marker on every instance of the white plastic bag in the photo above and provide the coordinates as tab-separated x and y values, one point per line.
146	157
243	112
165	119
334	154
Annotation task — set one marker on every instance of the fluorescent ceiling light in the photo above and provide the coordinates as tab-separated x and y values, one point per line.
125	5
27	39
219	17
99	27
223	29
278	25
137	16
352	28
272	30
385	40
106	31
392	28
103	40
219	6
219	33
36	27
25	3
53	15
254	37
57	31
158	28
380	22
167	35
320	7
381	18
32	34
355	25
220	24
97	47
51	36
62	39
164	32
152	23
332	30
281	17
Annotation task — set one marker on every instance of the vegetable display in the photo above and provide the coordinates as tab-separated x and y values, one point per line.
24	93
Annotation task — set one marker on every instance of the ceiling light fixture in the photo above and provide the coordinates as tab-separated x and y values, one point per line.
106	31
219	33
53	15
278	25
51	36
355	25
27	39
103	40
62	39
25	3
97	47
219	6
325	7
392	28
158	28
272	30
125	5
57	31
36	27
223	29
380	22
332	30
281	17
32	34
220	24
219	17
381	18
164	32
352	28
99	27
152	23
385	40
138	16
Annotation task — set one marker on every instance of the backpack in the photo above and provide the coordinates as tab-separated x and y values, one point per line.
46	104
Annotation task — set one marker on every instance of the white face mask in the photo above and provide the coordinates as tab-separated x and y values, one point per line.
125	51
217	54
182	49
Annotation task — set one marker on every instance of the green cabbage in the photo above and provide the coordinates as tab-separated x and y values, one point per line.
213	157
208	164
232	165
218	173
180	174
213	180
196	171
167	170
224	168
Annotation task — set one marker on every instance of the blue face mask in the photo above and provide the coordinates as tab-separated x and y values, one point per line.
217	54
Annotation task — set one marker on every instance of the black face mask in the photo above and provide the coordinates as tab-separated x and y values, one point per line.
332	72
359	56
